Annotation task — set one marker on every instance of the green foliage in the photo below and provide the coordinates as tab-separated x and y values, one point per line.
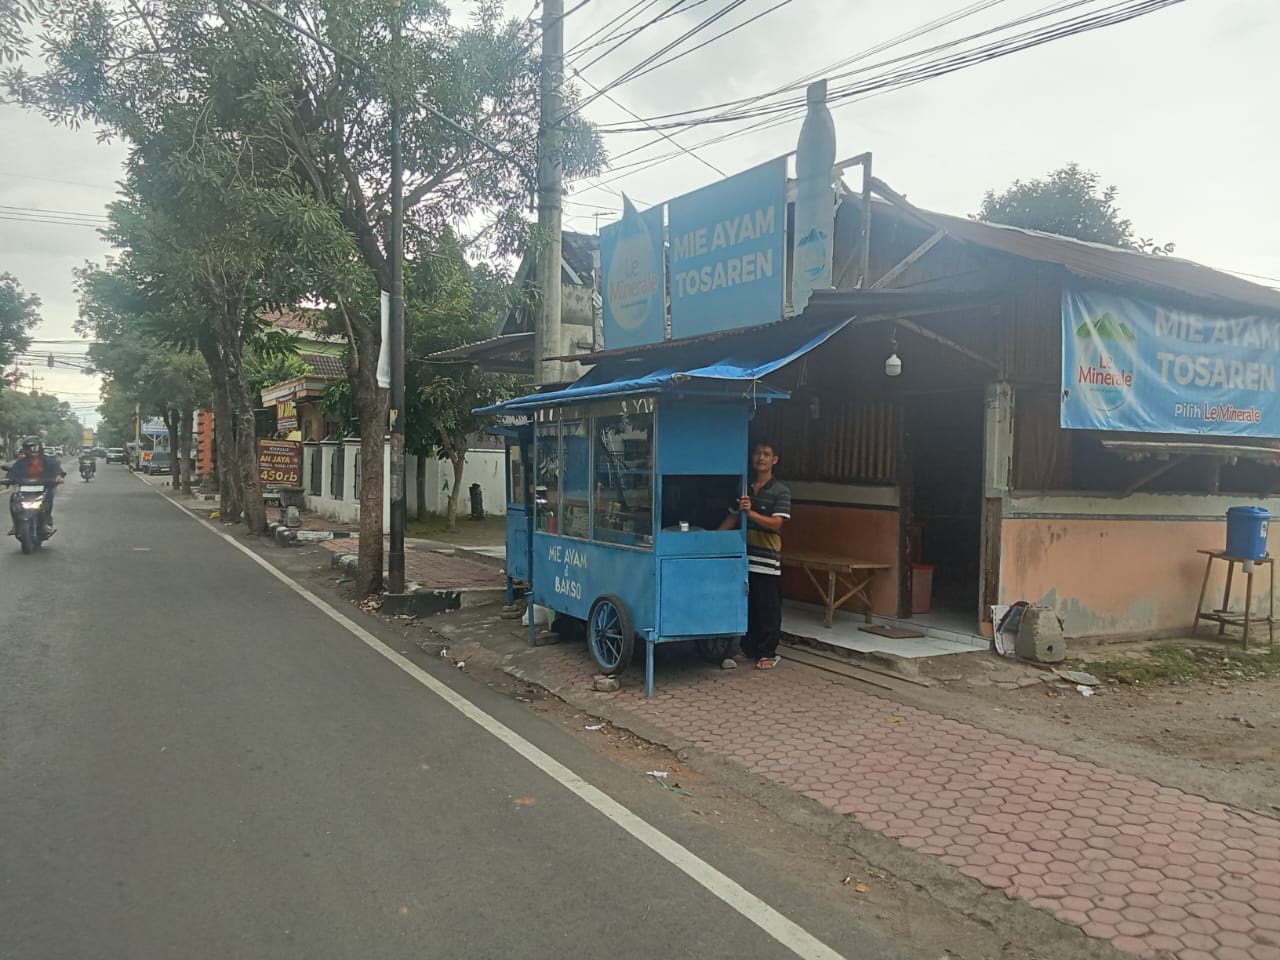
267	367
260	169
40	414
19	314
451	303
1070	203
16	19
140	369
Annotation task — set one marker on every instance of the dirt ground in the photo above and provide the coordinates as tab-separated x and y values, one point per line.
1193	713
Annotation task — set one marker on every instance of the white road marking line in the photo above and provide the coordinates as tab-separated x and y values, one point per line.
786	932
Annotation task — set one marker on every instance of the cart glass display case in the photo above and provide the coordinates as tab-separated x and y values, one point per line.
623	471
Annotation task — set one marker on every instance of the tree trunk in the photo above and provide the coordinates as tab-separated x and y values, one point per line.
459	461
186	427
171	424
229	493
422	488
371	402
246	440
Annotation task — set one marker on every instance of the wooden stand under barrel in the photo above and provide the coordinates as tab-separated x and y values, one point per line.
1223	616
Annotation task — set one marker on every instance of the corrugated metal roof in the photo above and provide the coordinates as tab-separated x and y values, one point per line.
494	346
825	306
1097	261
577	250
325	365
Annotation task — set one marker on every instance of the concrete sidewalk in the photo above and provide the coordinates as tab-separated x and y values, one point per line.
436	569
1154	870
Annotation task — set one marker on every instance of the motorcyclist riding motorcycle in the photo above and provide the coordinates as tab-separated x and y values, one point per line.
34	466
88	464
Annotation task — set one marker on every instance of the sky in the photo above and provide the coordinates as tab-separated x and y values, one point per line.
1175	109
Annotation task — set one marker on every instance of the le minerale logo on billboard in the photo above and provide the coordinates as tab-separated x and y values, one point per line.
1108	345
635	283
1137	366
635	271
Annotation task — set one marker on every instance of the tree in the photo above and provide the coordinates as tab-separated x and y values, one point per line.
451	303
147	375
16	18
454	303
19	314
43	415
1070	203
299	121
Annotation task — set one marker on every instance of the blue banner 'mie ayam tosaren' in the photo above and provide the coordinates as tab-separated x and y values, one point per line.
1133	365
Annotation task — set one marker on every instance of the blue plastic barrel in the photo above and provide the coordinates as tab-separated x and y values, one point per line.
1247	532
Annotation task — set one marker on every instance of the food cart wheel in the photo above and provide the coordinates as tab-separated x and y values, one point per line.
715	649
610	633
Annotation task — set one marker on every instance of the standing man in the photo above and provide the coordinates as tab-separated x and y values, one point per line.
767	505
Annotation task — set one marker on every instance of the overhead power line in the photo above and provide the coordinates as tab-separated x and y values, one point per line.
642	27
608	96
609	29
939	66
692	31
912	34
707	42
801	82
582	48
65	223
41	211
877	85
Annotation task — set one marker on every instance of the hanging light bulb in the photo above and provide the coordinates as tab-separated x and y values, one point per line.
893	365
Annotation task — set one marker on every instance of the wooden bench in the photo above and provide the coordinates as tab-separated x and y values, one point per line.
851	575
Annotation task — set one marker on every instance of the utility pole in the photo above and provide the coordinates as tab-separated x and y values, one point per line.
395	561
546	332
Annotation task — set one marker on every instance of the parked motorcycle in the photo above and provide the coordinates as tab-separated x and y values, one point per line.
26	506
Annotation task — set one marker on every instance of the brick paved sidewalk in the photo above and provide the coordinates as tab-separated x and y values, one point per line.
436	570
1149	868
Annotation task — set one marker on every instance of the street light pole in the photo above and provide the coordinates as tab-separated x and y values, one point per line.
546	332
395	560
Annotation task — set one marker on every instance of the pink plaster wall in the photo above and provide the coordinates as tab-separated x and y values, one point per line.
1116	576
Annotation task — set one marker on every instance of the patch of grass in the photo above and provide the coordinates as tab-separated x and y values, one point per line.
470	533
1176	663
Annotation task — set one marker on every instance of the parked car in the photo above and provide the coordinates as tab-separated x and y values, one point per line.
161	462
116	455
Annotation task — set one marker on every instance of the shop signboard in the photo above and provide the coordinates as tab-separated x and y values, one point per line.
1133	365
728	243
286	415
280	463
634	291
154	427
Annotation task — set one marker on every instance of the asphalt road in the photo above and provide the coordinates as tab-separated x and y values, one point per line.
195	762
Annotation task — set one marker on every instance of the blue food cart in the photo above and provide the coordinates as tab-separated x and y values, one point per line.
617	487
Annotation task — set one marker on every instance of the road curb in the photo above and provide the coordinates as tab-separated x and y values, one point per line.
288	537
